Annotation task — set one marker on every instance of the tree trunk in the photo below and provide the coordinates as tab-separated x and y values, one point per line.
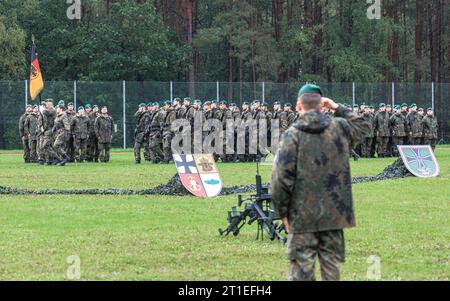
418	41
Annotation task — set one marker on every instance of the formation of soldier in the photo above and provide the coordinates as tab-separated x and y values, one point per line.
56	135
392	126
154	135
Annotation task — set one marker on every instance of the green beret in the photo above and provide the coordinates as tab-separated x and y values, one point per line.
420	109
150	104
80	108
104	107
356	106
430	109
288	104
95	107
371	107
413	105
187	99
29	106
88	106
168	102
61	102
264	104
232	104
70	104
155	104
245	103
176	99
35	106
43	102
198	101
382	105
214	101
276	103
397	107
142	105
49	100
256	101
404	105
309	88
207	103
223	102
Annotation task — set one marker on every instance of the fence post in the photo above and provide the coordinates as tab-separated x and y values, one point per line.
354	93
432	95
124	116
26	93
393	94
75	95
171	90
263	91
217	88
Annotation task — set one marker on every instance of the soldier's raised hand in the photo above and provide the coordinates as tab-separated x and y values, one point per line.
329	103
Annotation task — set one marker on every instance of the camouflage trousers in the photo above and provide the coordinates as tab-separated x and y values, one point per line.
80	145
103	151
431	142
70	147
382	146
92	148
40	148
303	249
395	142
26	149
32	145
60	144
155	150
366	147
139	142
167	147
416	141
49	151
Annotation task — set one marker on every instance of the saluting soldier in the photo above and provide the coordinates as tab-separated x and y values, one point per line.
80	126
104	131
430	129
311	185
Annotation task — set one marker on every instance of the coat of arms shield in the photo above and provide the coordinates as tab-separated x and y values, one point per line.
419	160
199	174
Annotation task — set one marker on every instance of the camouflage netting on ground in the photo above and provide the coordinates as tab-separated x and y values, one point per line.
175	188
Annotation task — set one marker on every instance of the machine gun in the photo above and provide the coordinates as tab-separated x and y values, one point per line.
257	208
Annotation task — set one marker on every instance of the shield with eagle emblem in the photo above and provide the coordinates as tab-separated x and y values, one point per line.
199	174
419	160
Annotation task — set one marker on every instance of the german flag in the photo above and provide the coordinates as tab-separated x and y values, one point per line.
36	79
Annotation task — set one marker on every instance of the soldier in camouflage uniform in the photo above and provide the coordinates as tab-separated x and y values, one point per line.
80	127
155	133
246	115
430	129
140	134
24	138
414	121
61	130
104	131
40	135
282	118
31	132
368	139
93	142
70	146
225	117
49	116
382	131
289	114
398	126
311	185
169	117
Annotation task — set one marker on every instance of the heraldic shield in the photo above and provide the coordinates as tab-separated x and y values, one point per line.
420	160
199	174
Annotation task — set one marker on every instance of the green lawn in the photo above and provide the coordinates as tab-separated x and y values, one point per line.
405	222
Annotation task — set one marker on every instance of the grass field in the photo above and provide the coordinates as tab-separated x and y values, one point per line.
405	222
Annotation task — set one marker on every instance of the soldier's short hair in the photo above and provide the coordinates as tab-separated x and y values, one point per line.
310	100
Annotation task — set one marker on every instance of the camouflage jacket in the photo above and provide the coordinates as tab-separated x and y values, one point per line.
71	115
21	124
143	121
49	116
80	126
370	119
382	124
156	120
169	119
282	120
31	126
92	117
61	124
430	127
398	125
104	128
414	121
311	181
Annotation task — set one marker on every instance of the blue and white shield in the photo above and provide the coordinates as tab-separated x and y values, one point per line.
419	160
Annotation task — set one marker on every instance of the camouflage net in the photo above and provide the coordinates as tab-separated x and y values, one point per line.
175	188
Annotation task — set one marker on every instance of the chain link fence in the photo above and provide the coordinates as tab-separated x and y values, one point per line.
122	98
